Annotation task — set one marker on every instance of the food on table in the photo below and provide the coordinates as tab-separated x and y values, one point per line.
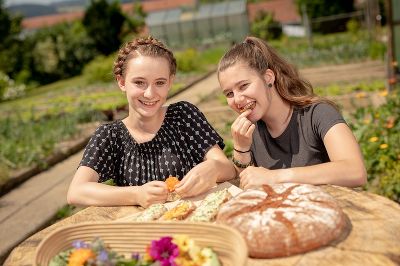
248	106
284	219
152	213
180	211
171	182
209	207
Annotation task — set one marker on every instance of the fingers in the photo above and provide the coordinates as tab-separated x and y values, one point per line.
186	186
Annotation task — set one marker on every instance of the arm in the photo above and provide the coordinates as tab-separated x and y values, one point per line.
215	168
84	190
346	167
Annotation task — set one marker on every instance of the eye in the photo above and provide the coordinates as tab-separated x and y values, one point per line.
161	83
243	86
139	83
229	94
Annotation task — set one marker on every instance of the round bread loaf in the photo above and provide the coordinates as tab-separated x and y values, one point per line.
284	219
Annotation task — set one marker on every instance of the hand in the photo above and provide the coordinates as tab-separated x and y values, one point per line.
242	131
153	192
252	177
201	178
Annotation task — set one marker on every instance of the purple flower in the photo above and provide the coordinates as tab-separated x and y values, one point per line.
135	256
164	251
80	244
102	256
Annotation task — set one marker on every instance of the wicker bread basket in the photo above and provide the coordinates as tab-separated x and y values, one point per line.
128	237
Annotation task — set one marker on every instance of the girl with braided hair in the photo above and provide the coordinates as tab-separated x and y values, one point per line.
154	142
285	133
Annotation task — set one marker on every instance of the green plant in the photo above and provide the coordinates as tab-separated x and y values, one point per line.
353	26
378	132
265	27
187	60
99	69
389	183
228	150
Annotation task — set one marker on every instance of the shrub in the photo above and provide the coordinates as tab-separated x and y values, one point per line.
187	60
389	183
8	88
99	69
265	27
378	132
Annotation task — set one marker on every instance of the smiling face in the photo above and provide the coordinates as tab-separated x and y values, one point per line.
146	84
245	89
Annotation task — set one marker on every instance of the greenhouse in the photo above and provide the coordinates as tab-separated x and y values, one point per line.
208	23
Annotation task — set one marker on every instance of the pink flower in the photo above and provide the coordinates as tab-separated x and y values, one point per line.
164	251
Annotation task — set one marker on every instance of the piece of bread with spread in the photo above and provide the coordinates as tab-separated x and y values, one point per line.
208	208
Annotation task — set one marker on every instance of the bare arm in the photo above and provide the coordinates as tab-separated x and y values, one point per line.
84	190
346	167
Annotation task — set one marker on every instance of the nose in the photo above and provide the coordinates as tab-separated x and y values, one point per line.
239	99
149	92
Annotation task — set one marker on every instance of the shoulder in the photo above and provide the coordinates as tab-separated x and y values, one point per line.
184	105
108	129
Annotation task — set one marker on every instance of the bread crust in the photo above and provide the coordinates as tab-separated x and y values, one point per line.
284	219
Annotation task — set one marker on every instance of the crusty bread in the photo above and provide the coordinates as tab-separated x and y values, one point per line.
284	219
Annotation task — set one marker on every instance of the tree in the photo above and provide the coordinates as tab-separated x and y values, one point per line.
322	8
103	23
10	44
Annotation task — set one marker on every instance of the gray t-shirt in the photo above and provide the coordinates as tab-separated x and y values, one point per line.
301	144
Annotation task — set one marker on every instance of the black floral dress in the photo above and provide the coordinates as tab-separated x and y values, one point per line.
180	144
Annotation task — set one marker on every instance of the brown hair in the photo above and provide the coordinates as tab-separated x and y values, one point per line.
142	46
260	57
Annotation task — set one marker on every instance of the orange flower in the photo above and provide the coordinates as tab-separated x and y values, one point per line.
390	122
171	182
79	256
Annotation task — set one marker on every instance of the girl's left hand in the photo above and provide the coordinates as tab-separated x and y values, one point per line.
253	176
201	178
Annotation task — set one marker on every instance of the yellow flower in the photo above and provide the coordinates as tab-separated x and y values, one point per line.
367	121
383	93
79	256
373	139
361	95
383	146
183	242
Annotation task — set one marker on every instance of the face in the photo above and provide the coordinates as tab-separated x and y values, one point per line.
146	84
245	89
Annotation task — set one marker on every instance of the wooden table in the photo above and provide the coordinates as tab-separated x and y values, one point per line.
374	238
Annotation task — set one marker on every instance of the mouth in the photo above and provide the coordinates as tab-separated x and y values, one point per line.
249	106
148	103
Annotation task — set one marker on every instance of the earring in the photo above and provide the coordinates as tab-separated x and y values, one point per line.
269	85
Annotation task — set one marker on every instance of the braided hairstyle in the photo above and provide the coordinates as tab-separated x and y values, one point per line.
146	47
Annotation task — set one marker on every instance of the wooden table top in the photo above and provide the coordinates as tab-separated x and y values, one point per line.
373	239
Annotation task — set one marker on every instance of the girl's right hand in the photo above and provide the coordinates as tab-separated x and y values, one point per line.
242	131
153	192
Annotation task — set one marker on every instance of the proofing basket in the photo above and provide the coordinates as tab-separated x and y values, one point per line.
128	237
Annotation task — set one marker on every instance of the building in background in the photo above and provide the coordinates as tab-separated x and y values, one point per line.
207	23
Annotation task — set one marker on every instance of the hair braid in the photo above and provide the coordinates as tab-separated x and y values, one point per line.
143	46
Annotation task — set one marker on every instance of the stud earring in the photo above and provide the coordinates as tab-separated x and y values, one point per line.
269	85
